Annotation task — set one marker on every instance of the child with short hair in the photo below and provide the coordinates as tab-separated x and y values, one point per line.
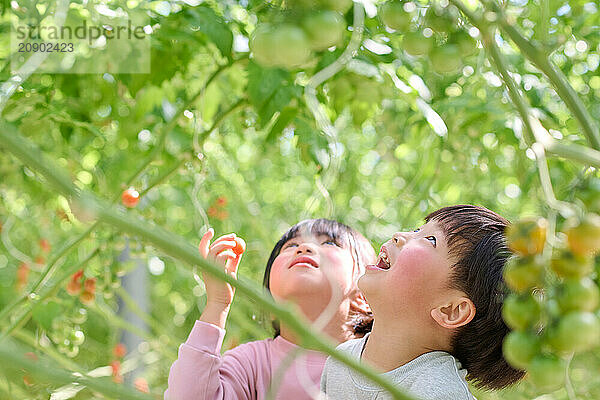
314	265
436	295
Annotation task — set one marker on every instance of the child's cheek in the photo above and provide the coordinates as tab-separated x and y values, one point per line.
411	268
340	267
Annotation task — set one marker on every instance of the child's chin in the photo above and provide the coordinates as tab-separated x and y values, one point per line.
366	285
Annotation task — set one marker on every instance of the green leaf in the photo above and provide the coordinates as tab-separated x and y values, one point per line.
45	313
214	27
284	119
269	91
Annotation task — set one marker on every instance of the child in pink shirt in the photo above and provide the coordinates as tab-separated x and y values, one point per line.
315	265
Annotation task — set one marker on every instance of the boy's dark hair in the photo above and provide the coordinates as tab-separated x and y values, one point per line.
360	248
476	241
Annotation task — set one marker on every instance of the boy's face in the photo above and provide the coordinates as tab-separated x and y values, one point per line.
411	274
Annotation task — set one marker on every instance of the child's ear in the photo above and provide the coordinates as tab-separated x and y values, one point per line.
359	304
455	314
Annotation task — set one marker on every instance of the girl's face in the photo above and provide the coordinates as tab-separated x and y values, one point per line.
312	267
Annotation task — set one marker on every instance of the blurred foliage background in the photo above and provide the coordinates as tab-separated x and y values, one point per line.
212	138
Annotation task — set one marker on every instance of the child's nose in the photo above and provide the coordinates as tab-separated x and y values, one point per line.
399	238
305	248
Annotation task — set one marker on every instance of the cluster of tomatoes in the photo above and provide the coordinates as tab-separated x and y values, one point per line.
66	331
84	288
553	310
217	209
434	33
297	31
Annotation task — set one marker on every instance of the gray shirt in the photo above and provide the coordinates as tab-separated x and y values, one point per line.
436	375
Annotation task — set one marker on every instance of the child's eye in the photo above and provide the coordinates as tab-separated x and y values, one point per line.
432	239
333	242
292	244
417	230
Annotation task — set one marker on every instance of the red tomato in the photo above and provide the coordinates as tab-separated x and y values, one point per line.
221	201
90	285
45	245
87	297
130	197
120	350
73	287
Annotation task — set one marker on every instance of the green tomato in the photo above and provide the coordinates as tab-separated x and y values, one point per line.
441	23
577	331
341	6
283	46
446	59
521	312
570	265
578	295
415	44
521	274
547	372
519	348
324	29
261	44
393	15
467	46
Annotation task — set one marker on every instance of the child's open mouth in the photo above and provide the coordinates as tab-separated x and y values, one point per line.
383	261
304	261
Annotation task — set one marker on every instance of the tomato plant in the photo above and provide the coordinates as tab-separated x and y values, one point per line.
254	115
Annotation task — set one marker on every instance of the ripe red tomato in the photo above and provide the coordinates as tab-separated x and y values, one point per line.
519	348
221	201
120	350
240	246
87	297
90	285
130	197
45	245
73	287
521	311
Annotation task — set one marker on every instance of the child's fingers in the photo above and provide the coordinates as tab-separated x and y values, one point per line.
217	248
234	263
203	247
225	258
229	236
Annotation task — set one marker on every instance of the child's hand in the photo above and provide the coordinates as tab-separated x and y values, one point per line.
227	251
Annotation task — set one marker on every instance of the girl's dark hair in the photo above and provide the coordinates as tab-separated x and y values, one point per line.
360	248
476	241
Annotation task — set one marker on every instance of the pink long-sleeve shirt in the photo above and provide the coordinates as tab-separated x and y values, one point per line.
242	373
